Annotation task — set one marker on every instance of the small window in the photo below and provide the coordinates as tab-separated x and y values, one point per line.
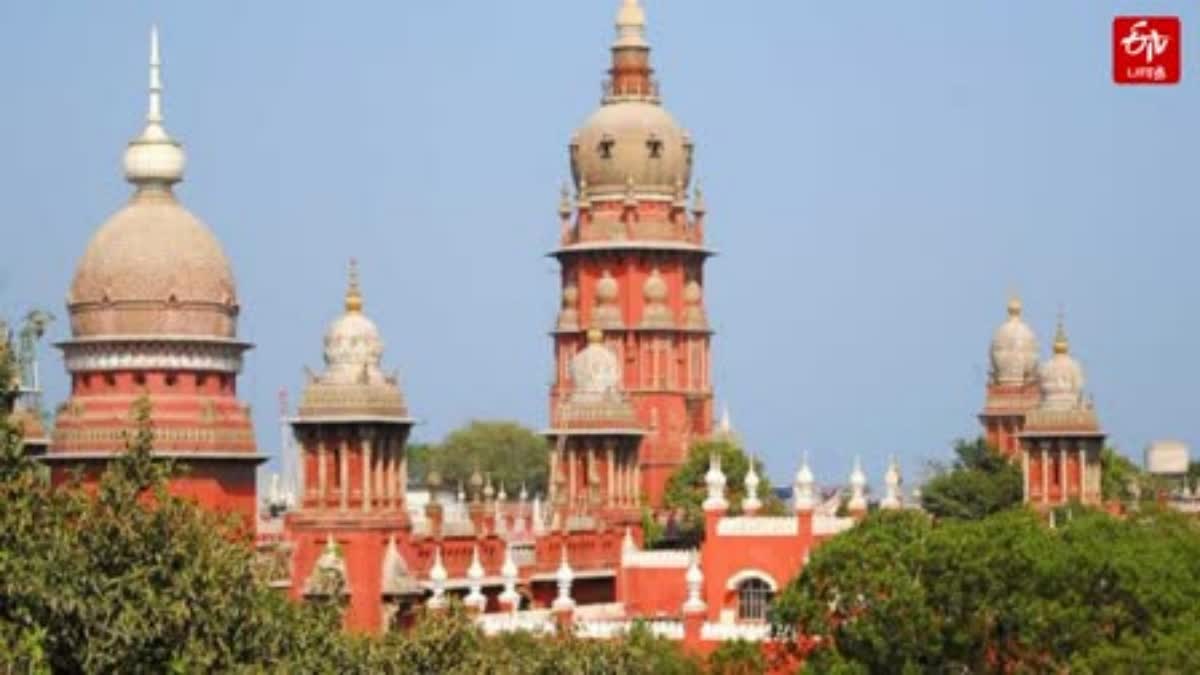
606	147
139	379
754	597
172	379
110	380
655	145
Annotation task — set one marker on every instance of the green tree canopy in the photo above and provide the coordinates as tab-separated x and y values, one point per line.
1005	593
686	489
979	483
506	451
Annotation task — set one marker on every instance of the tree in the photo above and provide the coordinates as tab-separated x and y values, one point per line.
1006	593
1117	474
686	489
979	483
505	451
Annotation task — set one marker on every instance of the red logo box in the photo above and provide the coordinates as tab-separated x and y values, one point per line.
1147	49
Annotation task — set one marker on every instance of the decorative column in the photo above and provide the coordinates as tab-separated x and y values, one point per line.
552	479
1062	471
475	600
610	497
438	575
365	441
322	469
1045	472
344	471
1083	486
510	601
402	480
1025	475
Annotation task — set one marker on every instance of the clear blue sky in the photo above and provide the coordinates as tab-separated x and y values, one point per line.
879	174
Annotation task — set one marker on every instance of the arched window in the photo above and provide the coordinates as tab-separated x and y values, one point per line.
754	596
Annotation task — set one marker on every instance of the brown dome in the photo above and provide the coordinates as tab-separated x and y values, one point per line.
153	269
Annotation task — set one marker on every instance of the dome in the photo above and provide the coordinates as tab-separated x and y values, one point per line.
595	371
153	269
1061	377
1014	350
631	142
353	384
655	288
607	288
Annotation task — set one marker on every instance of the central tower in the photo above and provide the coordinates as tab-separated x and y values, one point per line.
632	257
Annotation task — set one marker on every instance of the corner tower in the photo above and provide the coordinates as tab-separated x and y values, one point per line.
632	259
153	311
1012	388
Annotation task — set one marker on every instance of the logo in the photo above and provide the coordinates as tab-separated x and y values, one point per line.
1146	50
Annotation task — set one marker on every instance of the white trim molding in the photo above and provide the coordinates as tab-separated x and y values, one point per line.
752	573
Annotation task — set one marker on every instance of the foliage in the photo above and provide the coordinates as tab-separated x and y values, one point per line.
737	657
418	461
506	451
1117	474
981	482
1005	593
686	489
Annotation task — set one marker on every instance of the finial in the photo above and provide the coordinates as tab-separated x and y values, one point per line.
1061	345
726	422
564	201
1014	304
631	25
354	299
154	158
698	205
595	336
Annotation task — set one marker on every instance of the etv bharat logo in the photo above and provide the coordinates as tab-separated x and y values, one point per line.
1146	50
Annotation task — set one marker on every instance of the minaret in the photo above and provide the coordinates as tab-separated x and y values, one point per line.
632	258
154	310
1012	387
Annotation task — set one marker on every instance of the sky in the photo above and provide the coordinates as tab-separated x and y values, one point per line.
879	177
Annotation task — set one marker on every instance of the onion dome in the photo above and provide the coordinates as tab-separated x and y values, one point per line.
607	314
353	383
656	313
631	138
1061	376
568	318
153	268
1014	350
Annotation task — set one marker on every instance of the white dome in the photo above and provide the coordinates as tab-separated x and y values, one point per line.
1061	377
352	344
1014	351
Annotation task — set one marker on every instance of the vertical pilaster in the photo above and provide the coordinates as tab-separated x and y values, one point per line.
344	471
1045	472
610	495
1025	474
322	469
1062	471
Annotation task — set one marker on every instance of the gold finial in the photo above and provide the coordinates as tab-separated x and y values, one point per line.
1061	345
595	336
354	299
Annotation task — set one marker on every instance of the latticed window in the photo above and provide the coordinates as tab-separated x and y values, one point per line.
754	596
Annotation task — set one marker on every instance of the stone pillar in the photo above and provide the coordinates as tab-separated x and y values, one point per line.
553	478
367	478
1045	472
402	479
610	496
1025	474
1062	471
1083	475
573	476
344	472
637	483
322	469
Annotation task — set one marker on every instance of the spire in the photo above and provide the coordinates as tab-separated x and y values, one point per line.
508	571
803	498
565	576
1014	305
858	486
631	25
438	575
631	73
1061	345
154	159
751	504
475	597
354	299
715	480
628	545
893	497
